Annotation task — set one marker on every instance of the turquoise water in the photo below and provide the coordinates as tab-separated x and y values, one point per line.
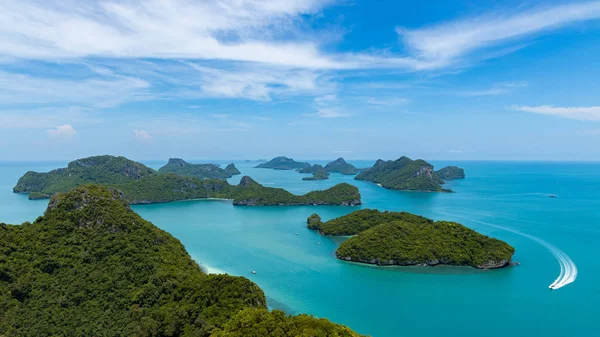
506	200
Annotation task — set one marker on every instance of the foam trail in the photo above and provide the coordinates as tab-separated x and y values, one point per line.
568	269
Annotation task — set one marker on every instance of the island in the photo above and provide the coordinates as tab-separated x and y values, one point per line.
341	166
404	174
142	185
283	163
318	173
91	266
202	171
404	239
451	172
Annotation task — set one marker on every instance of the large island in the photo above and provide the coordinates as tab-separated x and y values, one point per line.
91	266
404	239
142	185
406	174
341	166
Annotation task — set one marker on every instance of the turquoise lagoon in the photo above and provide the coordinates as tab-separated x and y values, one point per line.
506	200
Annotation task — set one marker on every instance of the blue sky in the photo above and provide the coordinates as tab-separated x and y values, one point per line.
241	79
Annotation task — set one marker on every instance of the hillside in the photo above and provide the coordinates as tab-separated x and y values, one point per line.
404	174
90	266
202	171
341	166
283	163
152	187
450	173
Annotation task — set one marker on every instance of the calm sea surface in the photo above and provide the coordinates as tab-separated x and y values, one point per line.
506	200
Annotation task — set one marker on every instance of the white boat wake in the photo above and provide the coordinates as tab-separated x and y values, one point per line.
568	269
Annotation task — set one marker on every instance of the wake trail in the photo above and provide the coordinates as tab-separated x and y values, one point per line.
568	269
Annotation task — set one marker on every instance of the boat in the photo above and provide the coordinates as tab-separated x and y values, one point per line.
253	272
318	243
553	196
296	233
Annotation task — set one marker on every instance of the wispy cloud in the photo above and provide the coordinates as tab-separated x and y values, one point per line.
65	131
451	42
497	89
328	106
590	113
386	101
142	135
44	118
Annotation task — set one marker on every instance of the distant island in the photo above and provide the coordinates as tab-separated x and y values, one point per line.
318	172
283	163
142	185
341	166
202	171
91	266
406	174
451	172
404	239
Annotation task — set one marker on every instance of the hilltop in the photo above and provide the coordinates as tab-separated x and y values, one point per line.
341	166
91	266
283	163
202	171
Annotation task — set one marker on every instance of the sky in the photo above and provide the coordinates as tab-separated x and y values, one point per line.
312	79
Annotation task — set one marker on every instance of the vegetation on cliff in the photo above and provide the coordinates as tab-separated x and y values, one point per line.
361	220
400	238
341	166
318	173
90	266
202	171
451	172
105	170
152	187
283	163
404	243
404	174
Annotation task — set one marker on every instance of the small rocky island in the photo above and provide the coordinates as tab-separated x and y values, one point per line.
404	239
341	166
283	163
406	174
142	185
91	266
318	172
202	171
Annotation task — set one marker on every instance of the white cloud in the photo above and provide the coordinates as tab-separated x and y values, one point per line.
386	101
65	131
327	106
142	135
45	118
497	89
98	92
447	43
591	113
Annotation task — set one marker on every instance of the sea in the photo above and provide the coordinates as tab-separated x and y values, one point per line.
557	243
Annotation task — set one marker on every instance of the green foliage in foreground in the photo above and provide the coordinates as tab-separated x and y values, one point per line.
441	242
262	323
92	267
404	174
202	171
361	220
451	172
144	186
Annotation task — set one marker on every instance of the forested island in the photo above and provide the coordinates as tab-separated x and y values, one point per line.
202	171
91	266
142	185
404	239
407	175
451	173
341	166
283	163
318	172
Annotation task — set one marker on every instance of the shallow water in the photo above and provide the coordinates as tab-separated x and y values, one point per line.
506	200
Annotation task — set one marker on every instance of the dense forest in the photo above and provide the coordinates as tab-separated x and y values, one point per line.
400	238
202	171
90	266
